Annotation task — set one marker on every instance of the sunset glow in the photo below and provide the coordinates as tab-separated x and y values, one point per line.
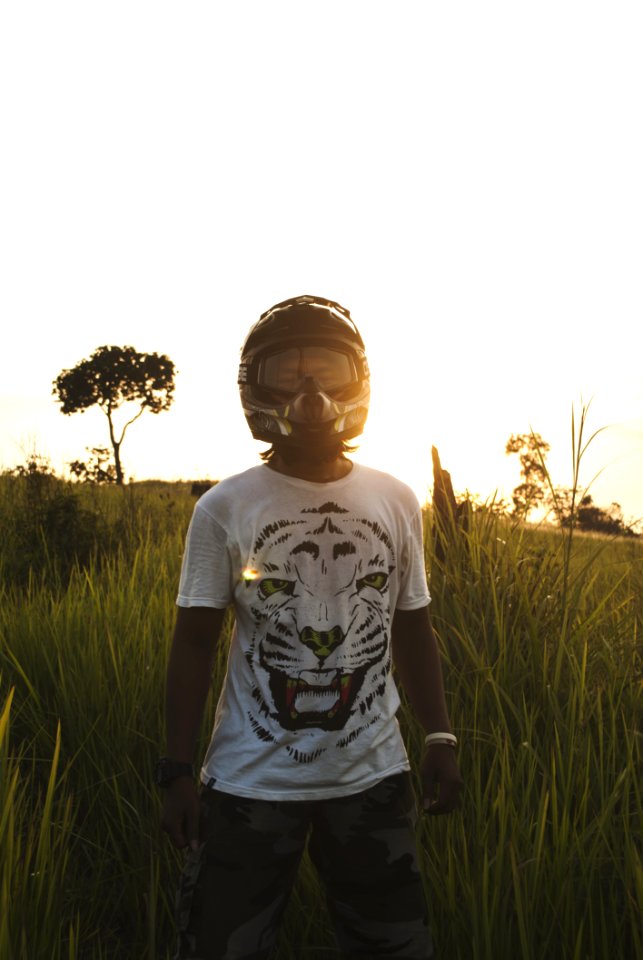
479	215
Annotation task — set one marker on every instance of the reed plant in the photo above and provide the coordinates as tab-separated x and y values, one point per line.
543	858
540	643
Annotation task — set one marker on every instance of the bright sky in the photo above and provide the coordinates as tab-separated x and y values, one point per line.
464	177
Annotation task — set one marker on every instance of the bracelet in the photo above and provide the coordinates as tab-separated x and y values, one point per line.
447	738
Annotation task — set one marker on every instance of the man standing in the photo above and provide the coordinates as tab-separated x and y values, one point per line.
323	562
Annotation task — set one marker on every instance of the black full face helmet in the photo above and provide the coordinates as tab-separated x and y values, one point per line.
303	375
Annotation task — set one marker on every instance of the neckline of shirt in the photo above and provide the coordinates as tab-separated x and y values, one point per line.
313	484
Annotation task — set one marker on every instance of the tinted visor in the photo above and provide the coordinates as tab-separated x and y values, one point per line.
283	372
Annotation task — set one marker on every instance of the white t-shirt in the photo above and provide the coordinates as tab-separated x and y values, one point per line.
315	572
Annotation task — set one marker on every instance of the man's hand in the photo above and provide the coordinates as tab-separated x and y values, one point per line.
180	816
417	661
188	683
441	780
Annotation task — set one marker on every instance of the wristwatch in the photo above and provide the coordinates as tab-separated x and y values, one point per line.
166	771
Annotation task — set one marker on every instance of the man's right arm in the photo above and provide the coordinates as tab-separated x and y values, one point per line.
189	675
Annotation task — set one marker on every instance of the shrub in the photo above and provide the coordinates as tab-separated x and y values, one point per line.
47	529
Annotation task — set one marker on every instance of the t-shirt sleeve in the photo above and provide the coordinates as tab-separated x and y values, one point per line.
206	573
413	590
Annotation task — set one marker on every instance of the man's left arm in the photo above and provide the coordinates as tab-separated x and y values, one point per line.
417	663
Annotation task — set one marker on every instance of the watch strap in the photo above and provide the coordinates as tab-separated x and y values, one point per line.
167	771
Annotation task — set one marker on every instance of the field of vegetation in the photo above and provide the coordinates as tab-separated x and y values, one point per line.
539	630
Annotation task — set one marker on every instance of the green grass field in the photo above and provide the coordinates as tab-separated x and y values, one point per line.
539	633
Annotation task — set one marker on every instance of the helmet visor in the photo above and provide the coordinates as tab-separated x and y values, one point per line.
284	371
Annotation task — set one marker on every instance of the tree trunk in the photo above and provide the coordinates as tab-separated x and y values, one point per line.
116	447
117	463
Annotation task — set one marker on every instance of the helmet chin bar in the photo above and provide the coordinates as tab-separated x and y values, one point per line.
309	418
311	406
275	426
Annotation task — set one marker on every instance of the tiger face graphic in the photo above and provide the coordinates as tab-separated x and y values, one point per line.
320	652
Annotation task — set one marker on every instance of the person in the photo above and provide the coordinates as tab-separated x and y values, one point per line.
323	563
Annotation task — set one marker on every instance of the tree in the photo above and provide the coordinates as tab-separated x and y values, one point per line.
112	376
590	517
531	450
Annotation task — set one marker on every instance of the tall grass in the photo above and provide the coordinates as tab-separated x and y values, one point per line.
540	643
544	691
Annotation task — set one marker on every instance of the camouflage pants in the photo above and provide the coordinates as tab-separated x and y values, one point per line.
234	889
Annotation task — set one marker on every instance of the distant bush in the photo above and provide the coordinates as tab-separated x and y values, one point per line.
199	487
590	518
52	526
47	531
97	468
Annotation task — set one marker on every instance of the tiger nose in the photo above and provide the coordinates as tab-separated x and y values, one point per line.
321	642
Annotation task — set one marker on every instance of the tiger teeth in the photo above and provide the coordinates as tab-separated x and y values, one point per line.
304	696
315	702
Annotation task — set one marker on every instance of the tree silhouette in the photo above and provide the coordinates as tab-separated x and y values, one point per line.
590	517
112	376
531	450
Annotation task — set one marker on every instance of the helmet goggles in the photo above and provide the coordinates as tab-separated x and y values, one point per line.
284	373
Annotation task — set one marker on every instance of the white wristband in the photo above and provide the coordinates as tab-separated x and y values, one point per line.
447	738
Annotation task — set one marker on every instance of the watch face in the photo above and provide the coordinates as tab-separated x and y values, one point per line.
168	770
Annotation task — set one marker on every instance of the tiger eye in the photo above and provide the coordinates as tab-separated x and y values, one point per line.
271	585
375	580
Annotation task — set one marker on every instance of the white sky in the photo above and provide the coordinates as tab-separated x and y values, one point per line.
464	177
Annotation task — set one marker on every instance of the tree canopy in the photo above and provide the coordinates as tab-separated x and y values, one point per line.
112	376
531	450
